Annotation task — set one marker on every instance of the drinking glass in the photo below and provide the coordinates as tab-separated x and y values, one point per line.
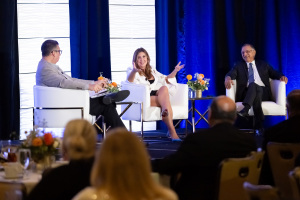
24	157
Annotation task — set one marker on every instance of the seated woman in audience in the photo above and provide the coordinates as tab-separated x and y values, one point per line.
143	73
122	172
64	182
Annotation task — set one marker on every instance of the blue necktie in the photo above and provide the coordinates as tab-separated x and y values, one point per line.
250	74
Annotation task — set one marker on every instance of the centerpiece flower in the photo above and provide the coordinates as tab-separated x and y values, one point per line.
111	86
41	145
198	85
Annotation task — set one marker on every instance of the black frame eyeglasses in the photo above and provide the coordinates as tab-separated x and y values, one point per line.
59	51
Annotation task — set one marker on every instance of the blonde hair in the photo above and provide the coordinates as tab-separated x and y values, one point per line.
147	73
122	168
79	141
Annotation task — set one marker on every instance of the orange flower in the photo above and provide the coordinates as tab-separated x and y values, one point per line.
200	76
189	77
114	84
100	78
37	142
202	82
48	138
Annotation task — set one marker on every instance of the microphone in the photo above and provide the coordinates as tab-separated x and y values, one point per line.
146	79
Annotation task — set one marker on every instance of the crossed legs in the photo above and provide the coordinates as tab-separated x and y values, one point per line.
254	98
162	100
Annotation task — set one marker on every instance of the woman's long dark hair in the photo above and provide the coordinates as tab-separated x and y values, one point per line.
147	73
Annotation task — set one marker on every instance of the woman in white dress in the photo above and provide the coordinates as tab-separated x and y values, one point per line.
159	84
122	171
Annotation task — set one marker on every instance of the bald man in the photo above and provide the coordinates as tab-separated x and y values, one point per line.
200	154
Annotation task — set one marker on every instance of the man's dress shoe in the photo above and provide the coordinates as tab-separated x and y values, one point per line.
115	97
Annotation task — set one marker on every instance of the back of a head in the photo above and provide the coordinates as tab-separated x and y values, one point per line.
122	166
293	102
222	109
79	141
48	46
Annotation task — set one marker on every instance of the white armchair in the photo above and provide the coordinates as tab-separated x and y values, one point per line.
145	112
55	107
277	107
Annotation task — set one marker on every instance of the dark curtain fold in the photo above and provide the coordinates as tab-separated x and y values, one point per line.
89	38
214	32
10	94
169	36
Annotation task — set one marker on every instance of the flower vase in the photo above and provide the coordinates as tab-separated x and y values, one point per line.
45	163
198	93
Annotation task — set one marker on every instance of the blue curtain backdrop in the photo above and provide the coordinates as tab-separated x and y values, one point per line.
9	65
211	34
89	37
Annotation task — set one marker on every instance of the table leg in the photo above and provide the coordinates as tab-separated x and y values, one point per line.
193	115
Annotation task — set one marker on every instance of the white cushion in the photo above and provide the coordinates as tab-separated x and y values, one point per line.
277	107
59	106
141	93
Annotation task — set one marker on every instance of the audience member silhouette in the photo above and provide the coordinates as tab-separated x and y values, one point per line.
122	171
286	131
198	157
64	182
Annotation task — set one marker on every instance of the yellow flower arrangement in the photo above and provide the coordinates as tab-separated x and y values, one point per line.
200	83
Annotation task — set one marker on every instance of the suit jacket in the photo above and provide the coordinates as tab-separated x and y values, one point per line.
51	75
199	156
285	132
63	182
239	72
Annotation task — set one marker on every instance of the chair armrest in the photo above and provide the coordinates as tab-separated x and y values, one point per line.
278	89
138	93
59	97
181	96
231	92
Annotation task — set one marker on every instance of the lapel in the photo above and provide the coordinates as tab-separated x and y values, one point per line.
245	69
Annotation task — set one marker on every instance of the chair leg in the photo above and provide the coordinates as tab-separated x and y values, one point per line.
130	125
103	129
142	130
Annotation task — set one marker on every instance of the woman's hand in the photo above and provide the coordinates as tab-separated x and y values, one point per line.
178	67
135	69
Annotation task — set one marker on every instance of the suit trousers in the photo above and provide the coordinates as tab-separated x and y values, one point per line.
109	112
253	97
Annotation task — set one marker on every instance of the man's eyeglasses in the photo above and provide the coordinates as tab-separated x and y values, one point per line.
59	51
247	52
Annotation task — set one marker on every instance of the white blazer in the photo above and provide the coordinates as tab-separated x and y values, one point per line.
160	80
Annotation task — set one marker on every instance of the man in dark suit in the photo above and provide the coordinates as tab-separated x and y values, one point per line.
198	158
253	85
284	132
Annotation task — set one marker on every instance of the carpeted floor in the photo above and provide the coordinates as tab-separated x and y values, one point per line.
160	146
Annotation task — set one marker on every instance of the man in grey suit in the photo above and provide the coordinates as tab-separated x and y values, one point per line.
253	86
49	74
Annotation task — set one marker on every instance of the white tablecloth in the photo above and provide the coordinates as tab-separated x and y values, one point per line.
29	180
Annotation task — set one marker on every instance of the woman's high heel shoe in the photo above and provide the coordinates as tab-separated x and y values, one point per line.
165	113
176	140
172	139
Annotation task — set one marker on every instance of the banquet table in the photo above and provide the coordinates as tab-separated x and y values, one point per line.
29	180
